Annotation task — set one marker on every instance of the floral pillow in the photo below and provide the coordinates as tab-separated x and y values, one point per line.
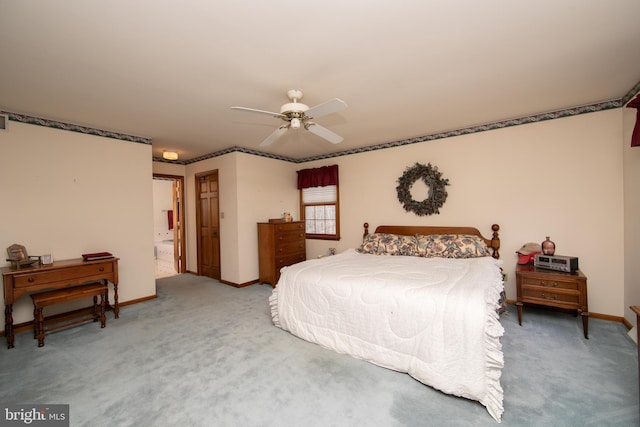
388	244
451	246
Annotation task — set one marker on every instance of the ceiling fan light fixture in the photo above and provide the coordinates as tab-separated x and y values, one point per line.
296	115
170	155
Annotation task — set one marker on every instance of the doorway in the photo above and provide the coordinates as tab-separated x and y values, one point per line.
169	227
208	224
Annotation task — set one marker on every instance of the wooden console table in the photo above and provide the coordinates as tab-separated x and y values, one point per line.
60	274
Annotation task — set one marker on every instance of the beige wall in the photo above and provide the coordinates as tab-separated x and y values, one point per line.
560	178
68	193
252	189
631	217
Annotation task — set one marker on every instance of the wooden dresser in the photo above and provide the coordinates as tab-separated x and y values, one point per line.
279	245
548	288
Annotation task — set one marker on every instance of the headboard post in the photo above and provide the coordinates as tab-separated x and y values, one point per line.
495	241
366	230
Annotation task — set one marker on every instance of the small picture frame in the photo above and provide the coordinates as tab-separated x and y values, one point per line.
46	259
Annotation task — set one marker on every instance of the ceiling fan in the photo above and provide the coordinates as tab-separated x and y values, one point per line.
296	115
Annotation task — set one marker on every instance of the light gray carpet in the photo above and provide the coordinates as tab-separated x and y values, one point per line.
206	354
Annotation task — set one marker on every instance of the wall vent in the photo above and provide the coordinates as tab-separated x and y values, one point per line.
4	122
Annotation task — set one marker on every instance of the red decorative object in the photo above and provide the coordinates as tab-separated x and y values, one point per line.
635	136
548	247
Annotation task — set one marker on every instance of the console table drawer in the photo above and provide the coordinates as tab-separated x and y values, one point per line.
44	277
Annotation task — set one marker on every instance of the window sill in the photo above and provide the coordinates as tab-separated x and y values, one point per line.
322	237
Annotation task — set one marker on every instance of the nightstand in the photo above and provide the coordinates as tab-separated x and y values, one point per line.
549	288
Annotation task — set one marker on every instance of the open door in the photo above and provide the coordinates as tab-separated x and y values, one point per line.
177	225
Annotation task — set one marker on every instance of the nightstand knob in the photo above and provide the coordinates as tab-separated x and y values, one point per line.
555	284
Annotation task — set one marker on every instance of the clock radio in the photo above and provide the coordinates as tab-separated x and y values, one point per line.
568	264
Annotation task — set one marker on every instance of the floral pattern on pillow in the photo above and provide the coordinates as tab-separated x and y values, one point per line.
451	246
369	244
388	244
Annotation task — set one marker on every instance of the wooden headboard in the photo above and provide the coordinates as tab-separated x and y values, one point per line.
411	230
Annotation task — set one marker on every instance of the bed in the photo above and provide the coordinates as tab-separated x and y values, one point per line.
419	300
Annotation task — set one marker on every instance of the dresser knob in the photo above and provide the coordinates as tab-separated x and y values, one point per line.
31	280
101	269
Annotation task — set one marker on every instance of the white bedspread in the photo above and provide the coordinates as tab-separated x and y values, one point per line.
432	318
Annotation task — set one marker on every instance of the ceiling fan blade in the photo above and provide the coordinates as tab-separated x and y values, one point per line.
323	132
331	106
253	110
274	135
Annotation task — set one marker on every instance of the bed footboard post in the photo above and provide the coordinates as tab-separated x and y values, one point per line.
495	241
366	230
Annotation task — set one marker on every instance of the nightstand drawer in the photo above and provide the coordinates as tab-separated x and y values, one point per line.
549	283
549	296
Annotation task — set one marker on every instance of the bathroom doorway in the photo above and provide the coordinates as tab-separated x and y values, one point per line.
168	225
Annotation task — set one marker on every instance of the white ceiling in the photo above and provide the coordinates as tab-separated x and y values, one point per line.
170	70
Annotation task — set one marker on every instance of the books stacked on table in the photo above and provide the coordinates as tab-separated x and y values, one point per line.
96	256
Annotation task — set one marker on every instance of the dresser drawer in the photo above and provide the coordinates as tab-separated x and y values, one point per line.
549	296
76	273
550	283
289	227
289	259
290	236
290	247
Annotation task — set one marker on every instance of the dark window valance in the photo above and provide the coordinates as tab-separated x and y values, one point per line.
318	177
635	136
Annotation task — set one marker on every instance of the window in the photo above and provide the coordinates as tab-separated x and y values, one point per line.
319	205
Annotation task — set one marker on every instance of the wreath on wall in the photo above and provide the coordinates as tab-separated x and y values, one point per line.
433	179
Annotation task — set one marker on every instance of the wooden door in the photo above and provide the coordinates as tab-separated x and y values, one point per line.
178	229
208	224
179	225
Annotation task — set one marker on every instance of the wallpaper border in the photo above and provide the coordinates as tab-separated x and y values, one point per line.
590	108
24	118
